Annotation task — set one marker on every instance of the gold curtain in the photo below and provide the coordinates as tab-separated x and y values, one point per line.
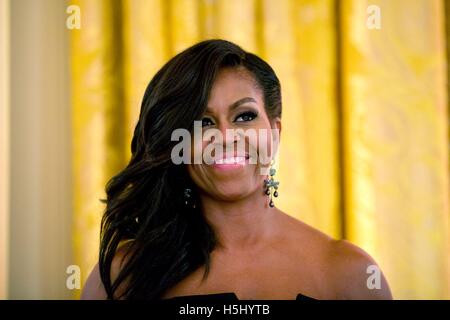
396	143
364	145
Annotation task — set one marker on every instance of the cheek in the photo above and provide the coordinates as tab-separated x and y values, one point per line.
198	145
197	175
261	146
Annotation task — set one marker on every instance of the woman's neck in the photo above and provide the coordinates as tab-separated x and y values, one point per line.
242	224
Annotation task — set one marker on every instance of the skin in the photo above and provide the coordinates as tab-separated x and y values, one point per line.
263	253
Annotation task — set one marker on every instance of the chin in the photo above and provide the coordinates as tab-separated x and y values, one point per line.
233	191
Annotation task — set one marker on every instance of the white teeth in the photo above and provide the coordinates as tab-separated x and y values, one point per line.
232	160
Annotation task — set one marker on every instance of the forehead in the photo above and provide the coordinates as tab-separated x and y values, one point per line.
232	84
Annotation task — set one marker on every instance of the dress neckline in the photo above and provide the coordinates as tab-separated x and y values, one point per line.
224	296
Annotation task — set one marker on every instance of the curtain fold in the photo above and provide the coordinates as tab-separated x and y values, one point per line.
97	121
396	144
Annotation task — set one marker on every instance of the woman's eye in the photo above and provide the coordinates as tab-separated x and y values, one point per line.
246	116
206	122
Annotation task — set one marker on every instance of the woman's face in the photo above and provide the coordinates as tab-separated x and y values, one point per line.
235	106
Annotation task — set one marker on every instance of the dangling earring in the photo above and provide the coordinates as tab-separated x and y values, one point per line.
188	198
271	183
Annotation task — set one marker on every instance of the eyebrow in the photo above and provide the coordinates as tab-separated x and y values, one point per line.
237	103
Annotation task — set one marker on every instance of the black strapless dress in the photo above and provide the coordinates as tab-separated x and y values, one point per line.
226	296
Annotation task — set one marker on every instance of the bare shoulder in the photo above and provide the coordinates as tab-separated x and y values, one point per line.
355	274
301	232
93	289
342	270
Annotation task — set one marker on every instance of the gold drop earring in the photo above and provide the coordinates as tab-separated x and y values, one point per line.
271	185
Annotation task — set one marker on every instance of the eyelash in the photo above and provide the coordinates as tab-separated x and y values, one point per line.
250	114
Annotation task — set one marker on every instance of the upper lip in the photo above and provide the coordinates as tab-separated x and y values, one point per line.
235	155
225	155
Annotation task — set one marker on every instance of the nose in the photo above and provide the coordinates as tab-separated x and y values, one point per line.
229	134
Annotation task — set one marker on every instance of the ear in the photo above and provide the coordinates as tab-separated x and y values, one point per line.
276	125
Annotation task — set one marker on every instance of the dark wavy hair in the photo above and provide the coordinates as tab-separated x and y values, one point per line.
144	202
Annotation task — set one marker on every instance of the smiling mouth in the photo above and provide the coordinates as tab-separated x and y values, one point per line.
231	162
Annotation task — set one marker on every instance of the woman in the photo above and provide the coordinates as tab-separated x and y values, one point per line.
176	229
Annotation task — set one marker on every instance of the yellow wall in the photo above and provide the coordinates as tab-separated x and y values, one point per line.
35	155
4	146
